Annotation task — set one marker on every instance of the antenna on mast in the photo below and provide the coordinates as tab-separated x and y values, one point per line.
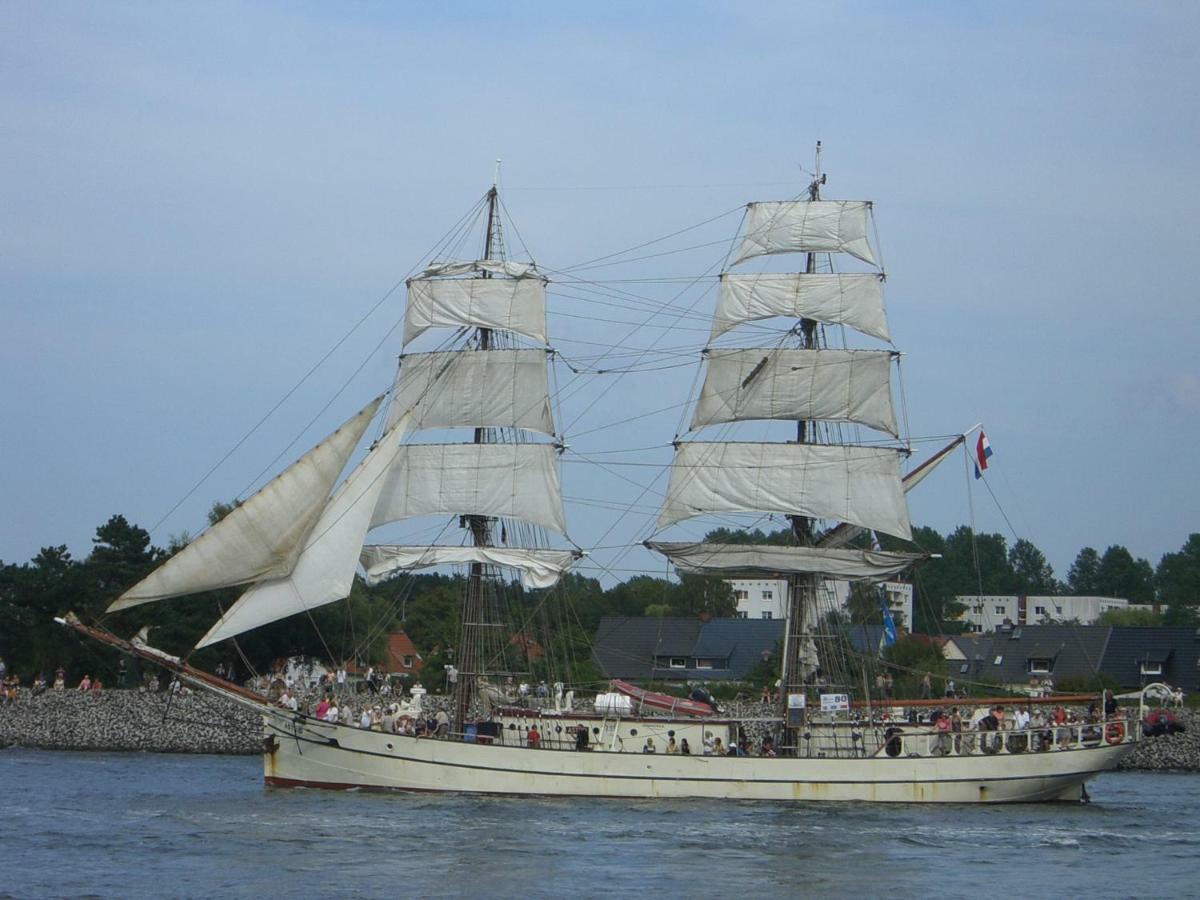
496	177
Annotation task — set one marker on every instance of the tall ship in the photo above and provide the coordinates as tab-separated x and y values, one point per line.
301	541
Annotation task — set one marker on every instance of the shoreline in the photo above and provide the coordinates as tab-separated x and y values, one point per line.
198	723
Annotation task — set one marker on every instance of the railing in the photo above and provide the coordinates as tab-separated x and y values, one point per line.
1040	739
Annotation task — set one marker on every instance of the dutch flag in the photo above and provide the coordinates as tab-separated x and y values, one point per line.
983	451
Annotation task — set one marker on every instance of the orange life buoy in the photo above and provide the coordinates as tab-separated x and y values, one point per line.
1115	732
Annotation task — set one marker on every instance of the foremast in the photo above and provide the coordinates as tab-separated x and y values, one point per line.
470	657
802	589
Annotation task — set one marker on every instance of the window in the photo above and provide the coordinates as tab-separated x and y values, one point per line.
742	614
704	664
964	668
1058	610
741	595
1039	610
998	660
768	595
678	662
1151	668
767	614
1039	665
977	608
408	662
999	610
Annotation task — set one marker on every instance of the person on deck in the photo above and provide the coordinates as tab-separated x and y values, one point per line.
441	726
649	747
322	708
709	744
672	747
533	738
684	749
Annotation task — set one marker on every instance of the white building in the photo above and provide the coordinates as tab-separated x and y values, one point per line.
767	598
987	612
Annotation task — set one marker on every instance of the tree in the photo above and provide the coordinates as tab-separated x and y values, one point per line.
1032	573
1120	575
1138	618
1084	574
1178	582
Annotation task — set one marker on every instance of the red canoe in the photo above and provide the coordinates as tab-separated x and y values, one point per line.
665	702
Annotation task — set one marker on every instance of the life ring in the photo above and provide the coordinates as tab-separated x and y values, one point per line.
1115	732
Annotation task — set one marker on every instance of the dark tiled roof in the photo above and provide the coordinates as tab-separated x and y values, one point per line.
630	647
1074	651
1176	649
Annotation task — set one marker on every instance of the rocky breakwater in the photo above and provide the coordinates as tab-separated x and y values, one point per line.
1169	753
129	720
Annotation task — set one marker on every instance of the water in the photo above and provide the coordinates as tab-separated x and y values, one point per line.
142	825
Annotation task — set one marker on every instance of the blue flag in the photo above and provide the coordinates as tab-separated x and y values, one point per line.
889	624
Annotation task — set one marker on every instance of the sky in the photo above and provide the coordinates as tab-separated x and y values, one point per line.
199	202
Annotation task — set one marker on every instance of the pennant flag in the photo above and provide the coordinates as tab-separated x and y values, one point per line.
983	451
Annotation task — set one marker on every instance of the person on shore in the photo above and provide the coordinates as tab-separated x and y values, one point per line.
60	679
889	686
39	684
97	687
927	687
86	684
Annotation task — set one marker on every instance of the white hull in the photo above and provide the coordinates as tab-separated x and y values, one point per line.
316	754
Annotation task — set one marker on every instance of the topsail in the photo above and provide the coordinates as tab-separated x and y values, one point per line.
807	226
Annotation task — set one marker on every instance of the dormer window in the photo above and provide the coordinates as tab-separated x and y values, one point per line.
1040	665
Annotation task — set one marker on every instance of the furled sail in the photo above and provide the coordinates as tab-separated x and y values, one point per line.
806	226
262	537
831	385
517	305
852	484
474	389
324	571
759	560
852	300
494	266
539	568
513	481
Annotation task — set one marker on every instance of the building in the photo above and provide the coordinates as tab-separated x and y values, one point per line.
1012	655
765	598
986	612
671	649
402	657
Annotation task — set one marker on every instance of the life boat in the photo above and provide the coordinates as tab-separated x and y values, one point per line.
666	702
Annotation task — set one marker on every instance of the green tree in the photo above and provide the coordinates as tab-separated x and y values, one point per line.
1139	618
1032	574
1084	575
1120	575
1178	582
